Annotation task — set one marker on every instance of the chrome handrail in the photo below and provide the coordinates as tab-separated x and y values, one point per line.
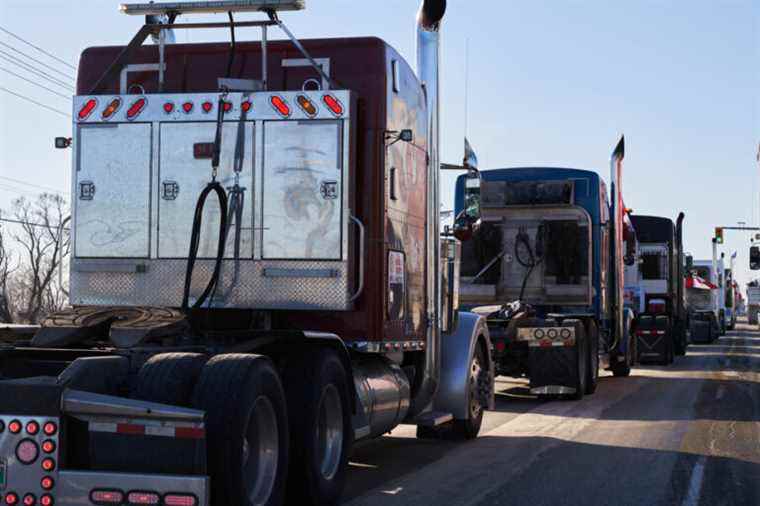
362	234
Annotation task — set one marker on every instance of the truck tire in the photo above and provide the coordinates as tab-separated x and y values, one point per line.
462	430
321	435
582	344
592	381
247	427
169	378
623	370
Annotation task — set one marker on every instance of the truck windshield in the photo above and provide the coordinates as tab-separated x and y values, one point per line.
654	266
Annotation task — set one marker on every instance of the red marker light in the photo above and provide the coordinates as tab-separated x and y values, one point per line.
246	106
180	500
280	105
112	108
11	498
207	106
87	109
14	427
32	428
29	500
143	498
47	500
50	429
107	496
168	108
187	107
306	105
333	104
227	106
47	483
48	465
48	446
136	108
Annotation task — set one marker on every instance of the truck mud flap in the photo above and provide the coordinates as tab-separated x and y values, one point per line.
700	331
553	370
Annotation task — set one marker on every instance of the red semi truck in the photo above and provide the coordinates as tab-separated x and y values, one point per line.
230	350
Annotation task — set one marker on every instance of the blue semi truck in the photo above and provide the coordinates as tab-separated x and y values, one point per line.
543	255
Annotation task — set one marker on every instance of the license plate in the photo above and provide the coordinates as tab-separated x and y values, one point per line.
2	475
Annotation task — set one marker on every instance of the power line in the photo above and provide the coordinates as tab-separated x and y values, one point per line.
22	97
31	224
29	68
37	48
35	84
64	74
38	186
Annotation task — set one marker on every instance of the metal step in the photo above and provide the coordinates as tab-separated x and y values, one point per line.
433	419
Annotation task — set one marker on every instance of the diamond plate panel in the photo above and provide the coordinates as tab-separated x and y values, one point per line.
160	283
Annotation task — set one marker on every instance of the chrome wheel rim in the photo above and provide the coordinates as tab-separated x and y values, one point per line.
329	432
476	375
261	450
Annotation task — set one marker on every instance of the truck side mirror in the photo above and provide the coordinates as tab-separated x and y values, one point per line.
689	263
464	226
754	258
406	135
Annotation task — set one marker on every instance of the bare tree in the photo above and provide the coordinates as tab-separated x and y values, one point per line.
42	243
6	308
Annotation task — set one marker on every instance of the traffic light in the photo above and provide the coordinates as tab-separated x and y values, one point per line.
719	235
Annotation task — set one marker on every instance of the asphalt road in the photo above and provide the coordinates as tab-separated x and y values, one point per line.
687	434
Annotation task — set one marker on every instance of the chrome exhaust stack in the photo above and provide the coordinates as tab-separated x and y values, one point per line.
428	64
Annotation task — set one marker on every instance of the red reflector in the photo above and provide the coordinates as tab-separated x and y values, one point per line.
32	428
14	427
169	108
207	106
280	105
227	106
50	428
128	428
333	104
246	106
48	446
48	465
187	107
501	346
143	498
47	483
11	498
107	496
47	500
189	433
306	104
112	108
136	108
87	108
29	500
180	500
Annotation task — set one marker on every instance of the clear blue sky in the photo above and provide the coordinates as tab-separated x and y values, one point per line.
552	83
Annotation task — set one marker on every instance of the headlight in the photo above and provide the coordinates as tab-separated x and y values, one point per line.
539	333
565	333
552	333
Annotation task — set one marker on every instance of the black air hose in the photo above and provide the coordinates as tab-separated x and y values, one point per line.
522	238
213	186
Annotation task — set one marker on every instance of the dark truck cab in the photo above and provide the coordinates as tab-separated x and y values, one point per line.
661	328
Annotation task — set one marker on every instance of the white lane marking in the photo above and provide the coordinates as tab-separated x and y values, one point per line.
695	483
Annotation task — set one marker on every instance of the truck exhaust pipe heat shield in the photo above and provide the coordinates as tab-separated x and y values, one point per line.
428	71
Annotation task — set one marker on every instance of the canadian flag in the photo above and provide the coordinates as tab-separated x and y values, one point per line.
698	283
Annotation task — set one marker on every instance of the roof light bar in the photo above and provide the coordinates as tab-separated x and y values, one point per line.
218	6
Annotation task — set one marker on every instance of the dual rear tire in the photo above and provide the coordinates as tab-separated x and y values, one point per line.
263	439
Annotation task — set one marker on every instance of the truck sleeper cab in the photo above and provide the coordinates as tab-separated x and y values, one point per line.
660	323
330	315
543	238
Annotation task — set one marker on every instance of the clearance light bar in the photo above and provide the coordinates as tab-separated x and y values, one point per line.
280	105
218	6
112	108
306	105
136	108
333	104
